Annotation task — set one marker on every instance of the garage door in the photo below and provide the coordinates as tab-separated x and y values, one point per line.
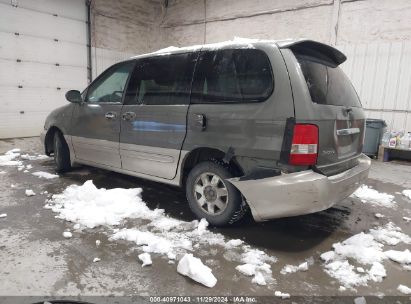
43	53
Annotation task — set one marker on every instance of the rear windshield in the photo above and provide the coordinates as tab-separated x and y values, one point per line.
327	84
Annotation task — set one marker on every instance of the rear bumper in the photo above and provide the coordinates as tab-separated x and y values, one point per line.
300	193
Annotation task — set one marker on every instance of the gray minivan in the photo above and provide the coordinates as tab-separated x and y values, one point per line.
271	126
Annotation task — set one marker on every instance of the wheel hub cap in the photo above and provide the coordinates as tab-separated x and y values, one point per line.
211	193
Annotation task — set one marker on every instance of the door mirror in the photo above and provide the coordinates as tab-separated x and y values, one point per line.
74	96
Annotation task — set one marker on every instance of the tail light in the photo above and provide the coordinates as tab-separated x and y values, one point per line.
304	147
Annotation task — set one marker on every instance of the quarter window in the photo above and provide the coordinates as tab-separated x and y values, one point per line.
110	86
161	80
239	75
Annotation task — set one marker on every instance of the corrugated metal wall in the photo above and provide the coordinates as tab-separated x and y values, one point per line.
381	74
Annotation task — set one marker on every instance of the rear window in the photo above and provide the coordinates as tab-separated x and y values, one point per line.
238	75
328	84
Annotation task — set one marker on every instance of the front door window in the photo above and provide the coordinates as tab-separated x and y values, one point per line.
110	87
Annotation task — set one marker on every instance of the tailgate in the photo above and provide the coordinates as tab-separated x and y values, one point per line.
324	96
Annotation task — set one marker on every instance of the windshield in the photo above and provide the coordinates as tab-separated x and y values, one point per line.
328	84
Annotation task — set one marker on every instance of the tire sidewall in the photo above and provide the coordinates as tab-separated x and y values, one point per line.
61	154
234	196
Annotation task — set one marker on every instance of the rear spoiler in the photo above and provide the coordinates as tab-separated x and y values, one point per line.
315	49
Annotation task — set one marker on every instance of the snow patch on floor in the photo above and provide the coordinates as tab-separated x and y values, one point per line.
3	215
282	295
90	207
360	300
8	158
368	195
292	268
29	192
45	175
34	157
407	193
404	289
367	250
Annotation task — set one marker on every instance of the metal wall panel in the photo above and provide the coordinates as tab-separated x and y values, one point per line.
43	53
37	49
14	20
40	75
381	75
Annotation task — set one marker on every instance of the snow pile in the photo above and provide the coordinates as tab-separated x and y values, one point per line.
407	193
193	268
145	258
89	207
8	159
45	175
390	235
365	249
255	264
148	240
368	195
360	247
404	289
233	243
165	223
29	192
92	207
247	43
292	268
34	157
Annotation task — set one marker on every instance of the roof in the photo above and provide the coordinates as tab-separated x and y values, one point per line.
329	51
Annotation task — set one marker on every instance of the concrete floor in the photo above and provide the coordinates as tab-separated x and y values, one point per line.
36	260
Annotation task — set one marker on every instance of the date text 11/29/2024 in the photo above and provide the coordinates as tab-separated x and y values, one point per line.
203	299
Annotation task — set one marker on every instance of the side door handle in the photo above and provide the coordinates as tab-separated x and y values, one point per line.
110	115
128	116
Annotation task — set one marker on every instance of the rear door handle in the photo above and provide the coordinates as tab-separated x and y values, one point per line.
128	116
199	122
110	115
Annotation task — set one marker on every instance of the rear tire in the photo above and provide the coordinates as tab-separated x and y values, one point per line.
61	153
212	197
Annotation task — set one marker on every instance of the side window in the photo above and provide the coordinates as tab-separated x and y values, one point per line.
239	75
110	87
161	80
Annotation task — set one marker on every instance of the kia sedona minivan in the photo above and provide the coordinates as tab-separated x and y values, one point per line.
271	126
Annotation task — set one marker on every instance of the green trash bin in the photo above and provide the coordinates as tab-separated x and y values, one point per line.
374	129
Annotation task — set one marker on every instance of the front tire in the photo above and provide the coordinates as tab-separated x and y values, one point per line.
61	153
211	196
